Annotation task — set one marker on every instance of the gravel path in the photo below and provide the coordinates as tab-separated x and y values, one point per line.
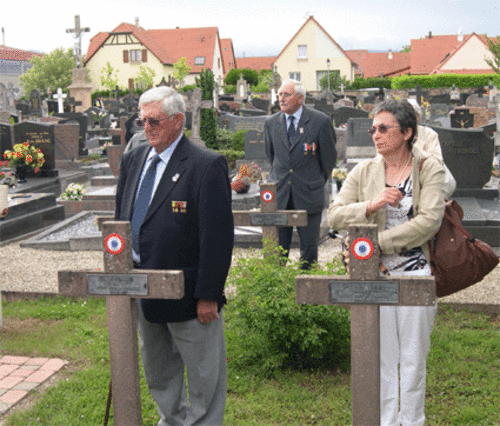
34	270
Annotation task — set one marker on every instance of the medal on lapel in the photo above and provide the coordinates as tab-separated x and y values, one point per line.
179	206
313	149
306	148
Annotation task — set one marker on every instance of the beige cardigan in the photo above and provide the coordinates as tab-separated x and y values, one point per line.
367	180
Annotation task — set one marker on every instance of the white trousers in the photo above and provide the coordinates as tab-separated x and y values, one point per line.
165	350
405	342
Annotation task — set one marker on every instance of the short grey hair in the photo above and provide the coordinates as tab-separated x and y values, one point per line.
171	101
299	89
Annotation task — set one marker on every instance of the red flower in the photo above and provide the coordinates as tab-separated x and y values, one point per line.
19	155
5	155
36	170
29	159
26	144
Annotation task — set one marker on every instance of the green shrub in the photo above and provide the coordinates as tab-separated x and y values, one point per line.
275	330
239	140
187	88
231	156
224	138
260	88
249	75
229	88
444	80
370	82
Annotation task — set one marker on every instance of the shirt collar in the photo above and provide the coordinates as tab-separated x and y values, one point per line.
167	153
297	114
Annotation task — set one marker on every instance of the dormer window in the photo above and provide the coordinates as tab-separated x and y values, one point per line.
199	60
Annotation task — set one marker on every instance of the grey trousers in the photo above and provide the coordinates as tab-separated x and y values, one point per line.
167	349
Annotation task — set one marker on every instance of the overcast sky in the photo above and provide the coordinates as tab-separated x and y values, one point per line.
257	27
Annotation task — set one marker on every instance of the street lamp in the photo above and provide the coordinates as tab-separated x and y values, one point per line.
328	68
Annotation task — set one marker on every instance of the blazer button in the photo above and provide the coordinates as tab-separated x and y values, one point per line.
289	182
291	170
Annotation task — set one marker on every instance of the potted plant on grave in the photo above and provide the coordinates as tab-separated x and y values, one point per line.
246	175
74	192
339	176
25	158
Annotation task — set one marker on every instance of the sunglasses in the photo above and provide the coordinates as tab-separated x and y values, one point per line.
150	121
382	129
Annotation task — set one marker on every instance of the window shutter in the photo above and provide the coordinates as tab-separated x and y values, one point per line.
125	56
144	55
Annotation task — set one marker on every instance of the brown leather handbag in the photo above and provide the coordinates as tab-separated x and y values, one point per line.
457	259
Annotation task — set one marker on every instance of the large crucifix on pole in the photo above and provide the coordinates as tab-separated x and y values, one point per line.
121	285
77	33
364	291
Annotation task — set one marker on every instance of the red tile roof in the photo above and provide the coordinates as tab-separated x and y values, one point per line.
168	46
12	54
256	62
227	54
428	53
376	63
358	57
311	18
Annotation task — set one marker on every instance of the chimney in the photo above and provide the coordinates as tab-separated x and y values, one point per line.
460	36
3	36
430	34
390	54
137	21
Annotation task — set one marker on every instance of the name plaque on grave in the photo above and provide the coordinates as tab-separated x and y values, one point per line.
268	219
364	292
118	284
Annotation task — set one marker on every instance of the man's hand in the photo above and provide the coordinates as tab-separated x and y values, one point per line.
207	311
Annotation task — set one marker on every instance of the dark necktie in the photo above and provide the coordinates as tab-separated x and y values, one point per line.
291	130
142	202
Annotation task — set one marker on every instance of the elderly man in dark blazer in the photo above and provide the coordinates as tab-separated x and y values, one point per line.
300	144
177	196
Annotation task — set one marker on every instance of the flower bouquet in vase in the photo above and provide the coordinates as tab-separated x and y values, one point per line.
25	158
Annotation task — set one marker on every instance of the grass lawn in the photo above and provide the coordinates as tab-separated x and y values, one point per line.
463	381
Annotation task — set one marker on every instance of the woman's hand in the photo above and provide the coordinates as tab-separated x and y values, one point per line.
389	195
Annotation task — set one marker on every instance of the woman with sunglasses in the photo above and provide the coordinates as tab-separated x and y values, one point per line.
404	197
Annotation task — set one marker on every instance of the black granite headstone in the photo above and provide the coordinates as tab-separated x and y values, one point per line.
235	122
359	142
40	135
5	138
82	120
440	99
254	145
344	113
262	104
36	103
462	119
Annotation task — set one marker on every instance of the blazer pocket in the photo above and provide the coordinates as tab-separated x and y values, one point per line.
315	184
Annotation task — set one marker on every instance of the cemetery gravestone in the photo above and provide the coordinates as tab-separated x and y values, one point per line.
236	122
364	291
342	115
82	120
35	103
359	143
66	136
194	104
41	136
462	119
6	134
440	113
254	146
262	104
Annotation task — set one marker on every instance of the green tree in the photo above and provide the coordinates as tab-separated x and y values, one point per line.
53	70
250	76
109	77
181	69
208	122
406	48
494	47
335	81
145	76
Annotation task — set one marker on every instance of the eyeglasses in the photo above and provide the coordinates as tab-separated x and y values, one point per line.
382	129
150	121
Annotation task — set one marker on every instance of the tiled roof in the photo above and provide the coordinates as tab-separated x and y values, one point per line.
168	46
311	18
12	54
428	53
227	54
376	63
256	62
358	57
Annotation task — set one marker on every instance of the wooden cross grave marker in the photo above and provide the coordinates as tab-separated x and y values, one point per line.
194	104
270	218
121	285
364	291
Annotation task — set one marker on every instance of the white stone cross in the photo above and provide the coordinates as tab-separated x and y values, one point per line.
60	96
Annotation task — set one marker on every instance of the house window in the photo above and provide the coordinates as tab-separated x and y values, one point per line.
294	75
303	51
199	60
135	55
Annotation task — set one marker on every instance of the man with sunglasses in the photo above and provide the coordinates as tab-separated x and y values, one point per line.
177	197
300	145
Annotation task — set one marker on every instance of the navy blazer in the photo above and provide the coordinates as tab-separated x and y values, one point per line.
304	168
188	226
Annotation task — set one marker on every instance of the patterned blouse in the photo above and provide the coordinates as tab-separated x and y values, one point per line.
406	262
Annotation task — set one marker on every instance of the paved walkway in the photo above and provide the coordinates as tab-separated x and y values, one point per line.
19	375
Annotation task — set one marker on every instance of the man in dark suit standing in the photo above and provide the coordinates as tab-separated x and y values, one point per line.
300	144
177	197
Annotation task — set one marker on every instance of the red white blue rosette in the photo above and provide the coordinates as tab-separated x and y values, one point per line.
267	196
114	243
362	248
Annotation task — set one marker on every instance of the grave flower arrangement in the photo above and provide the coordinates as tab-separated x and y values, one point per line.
23	154
246	175
74	192
339	175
